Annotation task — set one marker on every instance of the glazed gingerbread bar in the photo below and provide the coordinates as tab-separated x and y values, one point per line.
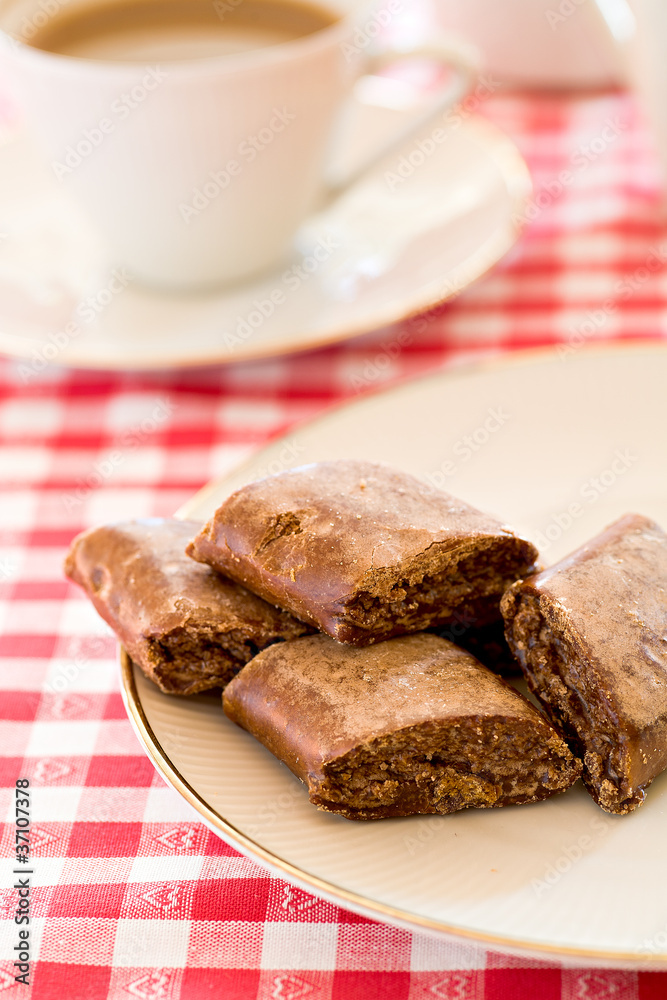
590	634
187	627
412	725
364	552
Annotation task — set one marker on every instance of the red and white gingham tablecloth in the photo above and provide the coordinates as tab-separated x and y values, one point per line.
131	896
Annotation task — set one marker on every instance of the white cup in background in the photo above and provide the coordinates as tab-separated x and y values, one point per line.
541	43
647	66
572	44
198	172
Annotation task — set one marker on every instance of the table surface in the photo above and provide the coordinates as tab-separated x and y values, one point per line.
130	895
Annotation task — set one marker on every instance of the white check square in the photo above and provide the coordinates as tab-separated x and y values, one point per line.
431	955
73	737
303	946
156	943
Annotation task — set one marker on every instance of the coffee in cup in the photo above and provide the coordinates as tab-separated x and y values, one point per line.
145	30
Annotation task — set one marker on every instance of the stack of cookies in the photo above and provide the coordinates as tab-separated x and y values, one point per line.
318	599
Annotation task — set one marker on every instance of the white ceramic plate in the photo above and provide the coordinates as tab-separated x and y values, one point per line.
528	438
384	255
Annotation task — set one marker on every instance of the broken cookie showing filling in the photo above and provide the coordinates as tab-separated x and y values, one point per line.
363	552
187	627
590	635
412	725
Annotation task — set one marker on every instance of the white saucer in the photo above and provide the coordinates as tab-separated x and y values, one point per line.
388	254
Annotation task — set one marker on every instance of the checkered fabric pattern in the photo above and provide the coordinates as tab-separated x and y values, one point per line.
132	896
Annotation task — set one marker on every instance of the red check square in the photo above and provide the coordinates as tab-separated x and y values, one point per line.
81	900
104	840
231	899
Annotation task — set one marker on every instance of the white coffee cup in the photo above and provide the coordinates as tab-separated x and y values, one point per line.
198	172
